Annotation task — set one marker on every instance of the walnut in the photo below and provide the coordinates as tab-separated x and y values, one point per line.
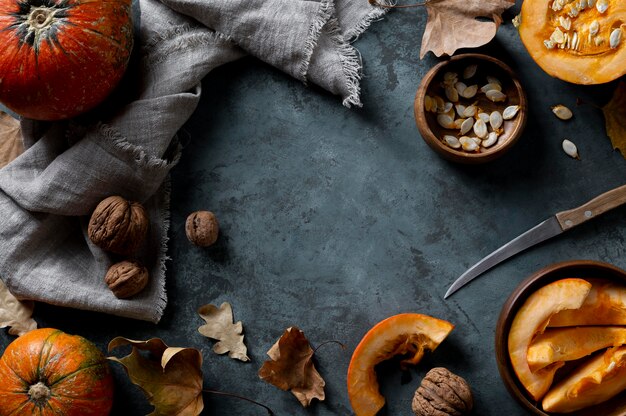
118	225
202	228
442	393
126	278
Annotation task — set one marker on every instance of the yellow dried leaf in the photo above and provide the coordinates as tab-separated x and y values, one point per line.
11	145
615	118
219	325
14	313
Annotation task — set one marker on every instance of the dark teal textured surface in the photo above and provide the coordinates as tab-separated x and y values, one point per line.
334	219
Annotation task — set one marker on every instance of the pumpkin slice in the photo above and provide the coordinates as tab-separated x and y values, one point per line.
605	305
531	319
598	380
405	334
581	45
567	344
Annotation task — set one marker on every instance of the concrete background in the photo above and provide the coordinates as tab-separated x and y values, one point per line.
334	219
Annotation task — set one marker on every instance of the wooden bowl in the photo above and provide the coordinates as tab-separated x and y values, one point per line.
431	85
577	268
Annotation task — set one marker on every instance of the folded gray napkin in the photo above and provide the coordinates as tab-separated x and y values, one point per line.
128	146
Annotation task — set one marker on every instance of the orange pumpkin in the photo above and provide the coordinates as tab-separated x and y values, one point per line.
583	42
60	58
404	334
47	372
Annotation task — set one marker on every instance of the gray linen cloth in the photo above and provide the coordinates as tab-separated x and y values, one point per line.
129	145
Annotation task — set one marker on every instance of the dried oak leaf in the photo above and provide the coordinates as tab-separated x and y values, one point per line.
615	118
219	326
291	367
171	378
454	24
11	145
14	313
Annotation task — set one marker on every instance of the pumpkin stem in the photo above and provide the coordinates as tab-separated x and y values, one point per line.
39	393
40	18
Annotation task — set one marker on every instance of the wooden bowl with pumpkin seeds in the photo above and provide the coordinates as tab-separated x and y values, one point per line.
471	108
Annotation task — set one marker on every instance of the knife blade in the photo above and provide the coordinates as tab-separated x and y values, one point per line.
553	226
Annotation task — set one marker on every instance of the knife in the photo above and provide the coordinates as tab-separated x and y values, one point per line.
551	227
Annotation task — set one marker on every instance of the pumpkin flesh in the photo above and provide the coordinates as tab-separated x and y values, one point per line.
531	319
582	52
47	372
404	334
62	57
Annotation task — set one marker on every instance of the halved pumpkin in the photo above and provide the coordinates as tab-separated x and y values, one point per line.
605	305
580	45
601	378
531	319
404	334
567	344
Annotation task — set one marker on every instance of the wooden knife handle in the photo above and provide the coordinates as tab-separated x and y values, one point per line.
598	205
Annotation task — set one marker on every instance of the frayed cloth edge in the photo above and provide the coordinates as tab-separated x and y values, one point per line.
163	258
374	15
327	8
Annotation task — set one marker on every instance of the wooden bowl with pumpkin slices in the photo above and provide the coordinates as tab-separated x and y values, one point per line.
479	74
561	340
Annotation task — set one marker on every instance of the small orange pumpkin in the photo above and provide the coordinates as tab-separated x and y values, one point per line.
583	42
48	372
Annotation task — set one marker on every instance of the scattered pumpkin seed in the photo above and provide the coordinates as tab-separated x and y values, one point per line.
510	112
602	5
445	121
483	116
452	141
570	149
480	128
460	108
458	123
450	78
491	139
440	103
470	91
495	120
565	22
469	144
470	71
467	125
549	44
452	94
447	107
489	87
428	103
594	28
495	96
470	111
615	38
517	21
562	112
557	36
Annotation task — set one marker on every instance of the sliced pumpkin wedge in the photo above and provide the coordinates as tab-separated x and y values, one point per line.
567	344
601	378
404	334
531	319
605	305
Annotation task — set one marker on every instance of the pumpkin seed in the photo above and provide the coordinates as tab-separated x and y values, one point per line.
495	96
458	123
447	107
470	111
573	11
565	22
582	5
483	116
469	144
449	78
480	128
562	112
557	36
570	149
452	94
615	38
445	121
452	141
574	41
467	125
591	3
549	44
491	139
489	87
428	103
460	109
460	87
470	91
440	103
510	112
599	41
602	5
469	71
594	28
495	120
557	5
517	21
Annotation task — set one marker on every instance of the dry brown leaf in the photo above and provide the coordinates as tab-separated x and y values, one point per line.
219	326
453	24
291	367
11	145
615	118
14	313
171	378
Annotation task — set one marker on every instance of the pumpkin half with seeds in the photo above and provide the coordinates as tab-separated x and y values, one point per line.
579	41
61	58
